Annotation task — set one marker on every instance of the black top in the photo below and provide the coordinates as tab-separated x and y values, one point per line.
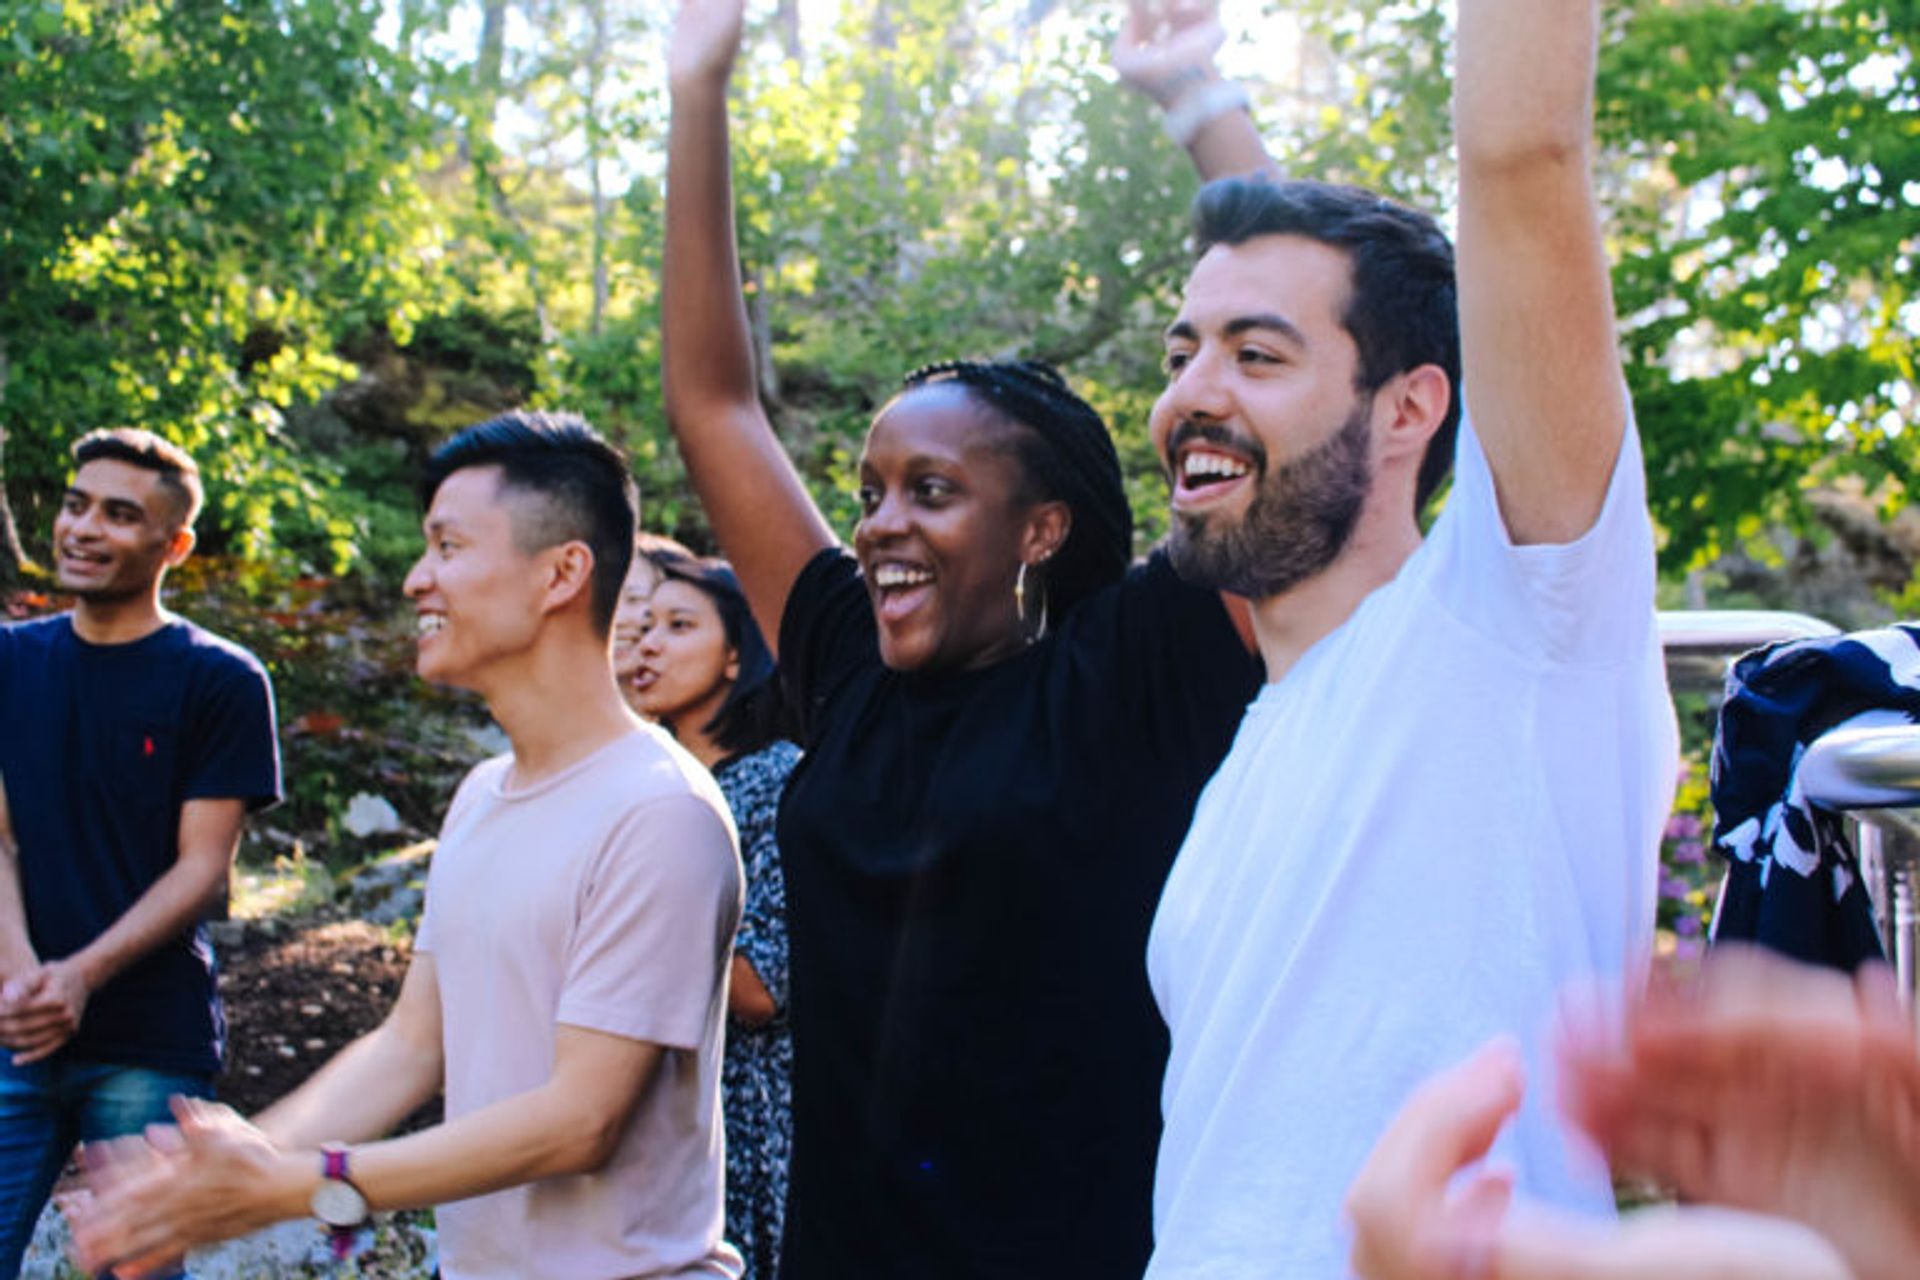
973	860
100	746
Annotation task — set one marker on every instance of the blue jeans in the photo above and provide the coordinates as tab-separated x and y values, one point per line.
49	1106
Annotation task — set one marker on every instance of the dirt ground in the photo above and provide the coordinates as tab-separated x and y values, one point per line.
297	990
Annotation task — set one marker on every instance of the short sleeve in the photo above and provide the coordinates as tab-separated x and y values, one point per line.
654	924
1588	601
233	751
826	634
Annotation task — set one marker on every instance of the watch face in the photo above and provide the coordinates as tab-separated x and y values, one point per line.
337	1204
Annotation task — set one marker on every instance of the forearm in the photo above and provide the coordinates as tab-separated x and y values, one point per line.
544	1133
707	349
547	1132
1523	84
171	905
367	1089
752	495
748	999
16	946
1229	146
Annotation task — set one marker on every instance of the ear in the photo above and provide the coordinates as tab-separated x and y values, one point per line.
179	546
569	576
1048	525
732	669
1408	409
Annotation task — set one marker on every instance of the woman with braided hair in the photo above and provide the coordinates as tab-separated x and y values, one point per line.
1006	730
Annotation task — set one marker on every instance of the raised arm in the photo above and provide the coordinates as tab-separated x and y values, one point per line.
1165	52
1540	365
761	512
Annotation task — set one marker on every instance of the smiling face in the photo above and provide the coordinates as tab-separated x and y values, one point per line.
945	529
118	530
686	666
480	598
1261	427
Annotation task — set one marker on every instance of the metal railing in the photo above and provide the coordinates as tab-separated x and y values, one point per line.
1872	774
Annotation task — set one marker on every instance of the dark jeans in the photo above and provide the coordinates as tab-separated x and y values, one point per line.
47	1107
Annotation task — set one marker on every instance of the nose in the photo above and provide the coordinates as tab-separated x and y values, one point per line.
650	642
84	522
1199	389
888	518
419	579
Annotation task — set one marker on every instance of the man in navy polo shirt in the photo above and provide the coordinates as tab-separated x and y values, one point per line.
132	746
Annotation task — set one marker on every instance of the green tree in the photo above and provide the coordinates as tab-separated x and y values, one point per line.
197	201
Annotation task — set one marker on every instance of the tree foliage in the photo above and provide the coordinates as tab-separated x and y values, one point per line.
198	201
207	208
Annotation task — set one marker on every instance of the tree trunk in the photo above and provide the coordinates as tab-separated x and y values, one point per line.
786	24
477	147
13	557
596	144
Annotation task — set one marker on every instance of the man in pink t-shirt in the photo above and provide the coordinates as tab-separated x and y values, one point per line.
568	983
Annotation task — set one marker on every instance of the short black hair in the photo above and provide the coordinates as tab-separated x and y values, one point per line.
1404	310
1065	454
585	492
755	713
178	472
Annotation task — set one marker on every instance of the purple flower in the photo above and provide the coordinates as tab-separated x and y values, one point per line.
1686	853
1687	926
1683	826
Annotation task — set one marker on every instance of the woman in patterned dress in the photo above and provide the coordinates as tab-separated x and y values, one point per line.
690	657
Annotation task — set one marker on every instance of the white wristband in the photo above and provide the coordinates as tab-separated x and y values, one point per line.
1194	112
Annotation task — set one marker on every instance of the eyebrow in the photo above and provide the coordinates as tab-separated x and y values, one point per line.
1270	320
116	506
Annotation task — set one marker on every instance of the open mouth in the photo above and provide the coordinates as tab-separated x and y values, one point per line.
83	561
899	587
1204	473
429	624
644	678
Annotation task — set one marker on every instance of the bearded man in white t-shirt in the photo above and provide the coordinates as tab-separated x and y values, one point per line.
568	981
1446	802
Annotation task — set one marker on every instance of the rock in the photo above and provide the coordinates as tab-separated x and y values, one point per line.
398	1248
370	815
392	888
489	739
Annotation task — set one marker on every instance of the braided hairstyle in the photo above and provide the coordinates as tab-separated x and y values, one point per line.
1065	455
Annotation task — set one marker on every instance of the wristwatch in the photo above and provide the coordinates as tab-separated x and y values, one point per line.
339	1205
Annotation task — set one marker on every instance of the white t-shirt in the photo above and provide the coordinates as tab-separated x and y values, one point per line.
603	897
1444	813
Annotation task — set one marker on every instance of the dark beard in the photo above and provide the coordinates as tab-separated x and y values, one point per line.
1300	520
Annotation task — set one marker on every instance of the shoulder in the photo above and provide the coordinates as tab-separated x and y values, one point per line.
649	784
35	633
215	653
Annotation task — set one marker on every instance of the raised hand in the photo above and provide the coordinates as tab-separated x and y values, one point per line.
706	40
1166	47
